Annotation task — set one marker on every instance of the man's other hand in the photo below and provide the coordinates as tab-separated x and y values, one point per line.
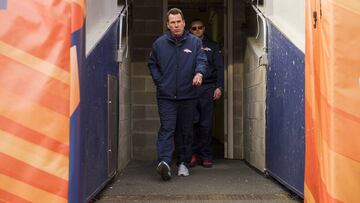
217	94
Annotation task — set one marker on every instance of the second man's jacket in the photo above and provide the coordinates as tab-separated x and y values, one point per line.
215	70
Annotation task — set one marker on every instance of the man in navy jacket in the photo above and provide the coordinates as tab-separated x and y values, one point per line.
210	91
177	65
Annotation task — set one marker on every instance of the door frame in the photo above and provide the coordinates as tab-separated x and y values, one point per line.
228	80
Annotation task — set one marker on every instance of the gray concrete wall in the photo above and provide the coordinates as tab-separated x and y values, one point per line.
255	106
147	25
125	141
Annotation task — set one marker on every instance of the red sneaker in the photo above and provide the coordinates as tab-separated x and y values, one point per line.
193	161
207	163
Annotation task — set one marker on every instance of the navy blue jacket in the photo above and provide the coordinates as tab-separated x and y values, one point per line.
215	70
173	64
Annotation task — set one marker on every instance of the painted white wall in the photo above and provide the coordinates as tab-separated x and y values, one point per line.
100	15
289	17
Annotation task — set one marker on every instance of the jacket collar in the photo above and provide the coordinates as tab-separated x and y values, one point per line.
177	40
205	39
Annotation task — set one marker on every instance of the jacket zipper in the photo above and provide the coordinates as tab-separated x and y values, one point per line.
177	70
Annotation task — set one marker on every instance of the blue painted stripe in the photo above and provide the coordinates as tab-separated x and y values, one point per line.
285	117
3	4
75	179
99	63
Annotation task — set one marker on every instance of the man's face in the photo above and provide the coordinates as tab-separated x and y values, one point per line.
176	25
197	28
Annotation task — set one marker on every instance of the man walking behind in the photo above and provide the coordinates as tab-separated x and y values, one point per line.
210	91
177	65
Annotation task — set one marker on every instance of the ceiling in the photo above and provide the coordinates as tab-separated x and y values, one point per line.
201	5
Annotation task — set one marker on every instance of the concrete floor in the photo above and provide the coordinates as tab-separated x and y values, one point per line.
227	181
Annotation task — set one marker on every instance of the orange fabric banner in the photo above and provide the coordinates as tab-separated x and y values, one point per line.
332	99
38	91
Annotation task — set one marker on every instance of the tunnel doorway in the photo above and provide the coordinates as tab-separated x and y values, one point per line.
213	14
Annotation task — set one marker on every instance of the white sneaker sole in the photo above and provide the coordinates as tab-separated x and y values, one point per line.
183	174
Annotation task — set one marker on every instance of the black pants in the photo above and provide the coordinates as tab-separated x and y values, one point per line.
175	116
203	123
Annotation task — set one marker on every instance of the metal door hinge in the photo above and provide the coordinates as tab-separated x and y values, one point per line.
315	18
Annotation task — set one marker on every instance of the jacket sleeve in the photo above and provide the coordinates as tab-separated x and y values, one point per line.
219	64
201	59
154	65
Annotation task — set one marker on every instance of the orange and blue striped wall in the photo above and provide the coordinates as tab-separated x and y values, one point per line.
41	52
332	98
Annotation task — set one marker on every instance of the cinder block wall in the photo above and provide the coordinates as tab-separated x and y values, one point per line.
147	25
255	97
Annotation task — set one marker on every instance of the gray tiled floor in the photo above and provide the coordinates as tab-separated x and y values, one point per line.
227	181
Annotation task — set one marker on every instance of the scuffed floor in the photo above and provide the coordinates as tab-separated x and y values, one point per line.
227	181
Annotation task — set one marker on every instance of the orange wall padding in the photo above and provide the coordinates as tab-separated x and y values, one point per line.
332	101
39	90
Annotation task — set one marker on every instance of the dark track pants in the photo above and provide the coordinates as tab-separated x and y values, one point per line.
203	123
175	115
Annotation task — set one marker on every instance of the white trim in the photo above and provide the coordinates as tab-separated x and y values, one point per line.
296	38
289	17
97	32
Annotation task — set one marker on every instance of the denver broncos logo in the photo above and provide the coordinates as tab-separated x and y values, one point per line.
187	51
206	49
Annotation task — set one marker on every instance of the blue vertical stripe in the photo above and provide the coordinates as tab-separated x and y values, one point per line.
76	193
99	63
3	4
76	180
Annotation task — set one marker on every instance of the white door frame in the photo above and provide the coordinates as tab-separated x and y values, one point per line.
229	82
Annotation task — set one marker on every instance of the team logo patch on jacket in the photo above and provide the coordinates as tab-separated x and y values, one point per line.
187	51
206	49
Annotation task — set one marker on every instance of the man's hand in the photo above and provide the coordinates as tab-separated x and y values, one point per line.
217	93
197	80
